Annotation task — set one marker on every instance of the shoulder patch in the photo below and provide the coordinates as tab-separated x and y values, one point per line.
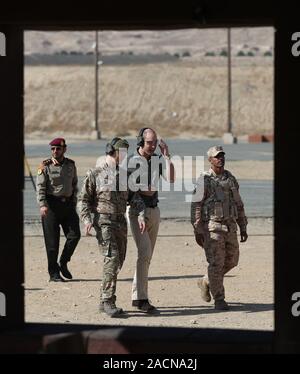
47	162
228	173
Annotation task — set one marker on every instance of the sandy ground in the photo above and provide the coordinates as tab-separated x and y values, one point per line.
176	265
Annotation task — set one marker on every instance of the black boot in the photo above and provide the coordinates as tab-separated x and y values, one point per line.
221	305
64	270
55	277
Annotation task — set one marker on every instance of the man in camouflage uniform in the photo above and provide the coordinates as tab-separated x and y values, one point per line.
57	198
216	210
102	205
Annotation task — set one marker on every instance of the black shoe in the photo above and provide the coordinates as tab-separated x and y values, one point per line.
144	306
65	271
56	278
221	305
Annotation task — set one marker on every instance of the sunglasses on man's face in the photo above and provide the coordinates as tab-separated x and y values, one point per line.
56	148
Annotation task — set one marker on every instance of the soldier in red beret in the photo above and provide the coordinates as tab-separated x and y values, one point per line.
57	198
59	142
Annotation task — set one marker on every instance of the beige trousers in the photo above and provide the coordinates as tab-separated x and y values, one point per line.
145	245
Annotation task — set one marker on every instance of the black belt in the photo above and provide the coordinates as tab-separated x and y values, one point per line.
62	199
151	206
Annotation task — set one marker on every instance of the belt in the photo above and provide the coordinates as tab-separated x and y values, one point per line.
112	215
151	206
62	199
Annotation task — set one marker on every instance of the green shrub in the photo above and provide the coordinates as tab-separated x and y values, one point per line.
268	53
241	53
186	54
224	53
210	53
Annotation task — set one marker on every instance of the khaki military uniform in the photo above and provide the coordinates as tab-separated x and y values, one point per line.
57	190
219	208
57	181
102	202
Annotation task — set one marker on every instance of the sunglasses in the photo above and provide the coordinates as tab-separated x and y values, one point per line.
56	148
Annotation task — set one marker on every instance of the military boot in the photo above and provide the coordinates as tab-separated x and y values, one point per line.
221	305
204	287
64	270
56	278
101	304
109	307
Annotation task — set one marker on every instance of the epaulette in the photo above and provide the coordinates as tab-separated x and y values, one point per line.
229	174
43	164
47	162
70	160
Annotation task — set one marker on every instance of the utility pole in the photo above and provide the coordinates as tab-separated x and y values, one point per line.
228	138
96	134
229	125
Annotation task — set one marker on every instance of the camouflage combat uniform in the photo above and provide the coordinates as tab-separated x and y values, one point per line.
219	207
102	202
57	190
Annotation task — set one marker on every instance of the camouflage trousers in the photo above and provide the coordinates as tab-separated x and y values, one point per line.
222	253
111	232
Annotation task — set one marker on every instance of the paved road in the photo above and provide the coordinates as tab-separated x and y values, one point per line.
257	194
181	147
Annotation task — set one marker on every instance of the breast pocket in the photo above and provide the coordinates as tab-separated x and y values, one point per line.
106	195
55	179
70	172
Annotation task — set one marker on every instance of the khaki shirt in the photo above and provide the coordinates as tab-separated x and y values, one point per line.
57	180
217	198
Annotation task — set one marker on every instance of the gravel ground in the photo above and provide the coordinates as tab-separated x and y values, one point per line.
176	265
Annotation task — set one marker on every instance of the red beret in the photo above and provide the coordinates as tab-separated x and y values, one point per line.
58	142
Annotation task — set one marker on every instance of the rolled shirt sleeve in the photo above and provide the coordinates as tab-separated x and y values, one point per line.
86	199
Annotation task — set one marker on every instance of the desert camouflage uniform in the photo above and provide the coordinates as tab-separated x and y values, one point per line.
102	202
218	205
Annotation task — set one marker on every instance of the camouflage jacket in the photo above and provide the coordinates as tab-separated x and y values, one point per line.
58	180
216	198
103	192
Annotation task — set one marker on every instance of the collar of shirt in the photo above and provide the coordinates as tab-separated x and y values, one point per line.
224	174
136	154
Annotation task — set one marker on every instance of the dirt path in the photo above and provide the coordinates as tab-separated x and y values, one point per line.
177	264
